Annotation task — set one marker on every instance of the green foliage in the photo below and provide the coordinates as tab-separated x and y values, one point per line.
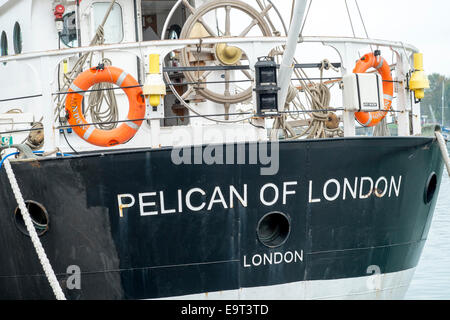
433	99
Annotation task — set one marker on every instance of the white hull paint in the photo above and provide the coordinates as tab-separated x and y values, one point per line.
391	286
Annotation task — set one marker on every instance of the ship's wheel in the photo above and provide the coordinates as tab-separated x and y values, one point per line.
225	19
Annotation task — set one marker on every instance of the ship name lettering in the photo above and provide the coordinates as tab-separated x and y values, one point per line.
273	258
193	200
219	198
356	188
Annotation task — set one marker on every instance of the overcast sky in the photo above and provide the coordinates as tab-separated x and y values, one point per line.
424	24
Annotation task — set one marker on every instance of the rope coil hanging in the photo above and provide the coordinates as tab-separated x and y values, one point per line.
322	123
96	99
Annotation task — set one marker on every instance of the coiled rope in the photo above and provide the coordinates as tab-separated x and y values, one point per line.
45	263
98	115
318	96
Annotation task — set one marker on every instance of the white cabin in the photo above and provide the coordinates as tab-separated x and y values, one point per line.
37	50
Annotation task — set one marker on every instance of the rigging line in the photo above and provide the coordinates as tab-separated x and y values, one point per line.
209	82
351	22
95	90
171	117
243	67
306	18
206	115
320	78
201	116
20	130
140	86
163	118
191	83
21	98
256	126
336	78
67	141
363	23
292	13
279	15
350	18
362	19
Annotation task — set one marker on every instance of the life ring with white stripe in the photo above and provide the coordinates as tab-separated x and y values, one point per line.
105	138
371	60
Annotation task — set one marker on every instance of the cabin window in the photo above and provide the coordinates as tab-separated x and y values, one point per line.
4	44
69	34
17	37
114	25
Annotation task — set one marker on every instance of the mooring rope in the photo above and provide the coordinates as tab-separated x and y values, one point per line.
443	148
45	263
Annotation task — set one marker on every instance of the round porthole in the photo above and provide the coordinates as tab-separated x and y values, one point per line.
17	38
430	188
274	229
69	34
39	217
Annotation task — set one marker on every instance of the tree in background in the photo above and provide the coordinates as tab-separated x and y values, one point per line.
433	99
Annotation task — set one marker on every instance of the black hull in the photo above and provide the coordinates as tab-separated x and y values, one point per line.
192	252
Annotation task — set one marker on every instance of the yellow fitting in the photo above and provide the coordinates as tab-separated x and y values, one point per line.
154	100
419	81
418	61
154	64
154	88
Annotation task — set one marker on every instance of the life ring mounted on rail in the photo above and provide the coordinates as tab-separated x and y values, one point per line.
372	60
105	138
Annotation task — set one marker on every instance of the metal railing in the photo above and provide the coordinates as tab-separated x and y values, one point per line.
254	47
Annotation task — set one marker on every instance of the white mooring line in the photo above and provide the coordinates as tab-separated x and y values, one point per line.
443	147
51	277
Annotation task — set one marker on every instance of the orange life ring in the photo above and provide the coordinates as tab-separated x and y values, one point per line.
105	138
371	119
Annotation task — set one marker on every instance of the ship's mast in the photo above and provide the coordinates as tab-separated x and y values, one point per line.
286	68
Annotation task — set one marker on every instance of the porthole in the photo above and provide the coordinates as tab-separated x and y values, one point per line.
39	217
69	34
430	188
274	229
4	45
17	38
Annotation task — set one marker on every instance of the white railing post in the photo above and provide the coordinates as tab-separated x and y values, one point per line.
348	54
402	94
154	92
51	136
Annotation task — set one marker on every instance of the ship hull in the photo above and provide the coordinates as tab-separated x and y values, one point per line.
392	286
138	225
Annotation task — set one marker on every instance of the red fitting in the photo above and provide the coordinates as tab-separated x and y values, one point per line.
59	11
